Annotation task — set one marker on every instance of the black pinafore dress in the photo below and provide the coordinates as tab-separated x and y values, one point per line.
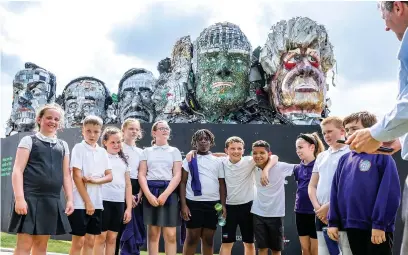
42	182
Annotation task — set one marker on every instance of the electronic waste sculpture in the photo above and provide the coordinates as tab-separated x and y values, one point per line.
296	59
33	87
85	96
217	78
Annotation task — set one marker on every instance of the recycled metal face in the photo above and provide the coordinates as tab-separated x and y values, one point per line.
83	97
33	87
135	95
221	65
297	57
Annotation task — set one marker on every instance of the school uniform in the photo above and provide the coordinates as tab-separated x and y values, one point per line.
240	183
43	178
160	161
203	190
113	195
268	208
326	165
92	161
305	215
133	154
365	195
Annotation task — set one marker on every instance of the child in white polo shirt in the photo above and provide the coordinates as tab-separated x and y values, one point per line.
240	184
320	185
202	187
159	177
269	204
90	169
116	195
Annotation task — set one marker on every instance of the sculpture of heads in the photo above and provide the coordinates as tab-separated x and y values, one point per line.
33	87
296	58
221	63
135	95
84	96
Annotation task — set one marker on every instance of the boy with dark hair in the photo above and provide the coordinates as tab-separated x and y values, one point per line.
365	196
202	186
268	208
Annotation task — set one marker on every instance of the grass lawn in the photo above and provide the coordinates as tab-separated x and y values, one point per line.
9	241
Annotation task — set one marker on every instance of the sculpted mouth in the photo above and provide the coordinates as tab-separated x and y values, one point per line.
305	88
140	115
25	114
222	84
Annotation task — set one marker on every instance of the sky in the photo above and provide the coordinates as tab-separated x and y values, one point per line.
104	40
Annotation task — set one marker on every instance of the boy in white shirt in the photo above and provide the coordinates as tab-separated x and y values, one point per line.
240	181
202	186
269	204
90	169
320	185
240	184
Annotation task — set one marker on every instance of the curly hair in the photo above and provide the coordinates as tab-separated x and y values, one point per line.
202	132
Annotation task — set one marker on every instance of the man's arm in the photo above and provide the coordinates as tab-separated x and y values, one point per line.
394	124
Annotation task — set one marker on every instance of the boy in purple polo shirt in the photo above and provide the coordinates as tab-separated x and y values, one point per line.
365	196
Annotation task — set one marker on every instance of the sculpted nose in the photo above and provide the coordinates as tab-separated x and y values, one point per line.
24	99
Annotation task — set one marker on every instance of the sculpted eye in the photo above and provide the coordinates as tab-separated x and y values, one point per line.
292	62
313	61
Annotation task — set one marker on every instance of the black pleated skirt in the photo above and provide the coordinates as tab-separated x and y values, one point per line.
162	216
45	216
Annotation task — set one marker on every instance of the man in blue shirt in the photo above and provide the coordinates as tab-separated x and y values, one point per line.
395	123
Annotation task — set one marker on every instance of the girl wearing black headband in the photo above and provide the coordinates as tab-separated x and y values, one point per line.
308	146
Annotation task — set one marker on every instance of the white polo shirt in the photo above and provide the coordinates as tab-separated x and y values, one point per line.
239	179
270	199
27	142
209	170
326	165
115	190
92	162
133	154
160	161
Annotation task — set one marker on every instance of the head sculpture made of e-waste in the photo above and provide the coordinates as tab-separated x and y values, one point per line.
84	96
135	95
221	64
296	58
33	87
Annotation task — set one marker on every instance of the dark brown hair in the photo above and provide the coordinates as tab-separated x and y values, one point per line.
315	140
367	119
105	137
262	143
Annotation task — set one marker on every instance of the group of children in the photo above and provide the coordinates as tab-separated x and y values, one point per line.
345	202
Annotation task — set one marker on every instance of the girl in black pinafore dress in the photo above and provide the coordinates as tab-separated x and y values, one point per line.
41	169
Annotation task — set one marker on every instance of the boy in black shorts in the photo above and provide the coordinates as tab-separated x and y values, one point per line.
202	186
91	168
268	208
